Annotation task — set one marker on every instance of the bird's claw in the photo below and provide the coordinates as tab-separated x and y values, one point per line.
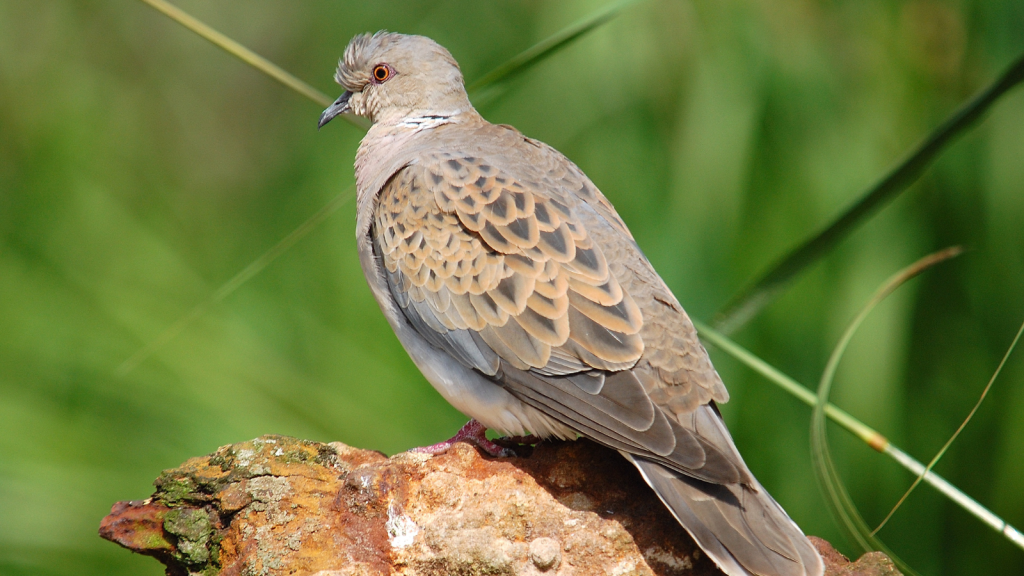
474	433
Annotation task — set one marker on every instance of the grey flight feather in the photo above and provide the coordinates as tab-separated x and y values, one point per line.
524	299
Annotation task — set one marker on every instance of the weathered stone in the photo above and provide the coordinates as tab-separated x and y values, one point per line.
545	553
278	505
139	526
870	564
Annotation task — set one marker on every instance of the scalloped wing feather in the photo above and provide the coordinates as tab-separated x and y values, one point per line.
465	245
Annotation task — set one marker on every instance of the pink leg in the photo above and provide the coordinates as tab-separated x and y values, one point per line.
474	433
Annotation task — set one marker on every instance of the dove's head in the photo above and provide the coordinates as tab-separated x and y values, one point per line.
389	77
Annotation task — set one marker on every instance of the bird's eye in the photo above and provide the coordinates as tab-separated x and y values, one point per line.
382	73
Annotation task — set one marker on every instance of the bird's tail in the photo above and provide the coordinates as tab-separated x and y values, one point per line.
739	526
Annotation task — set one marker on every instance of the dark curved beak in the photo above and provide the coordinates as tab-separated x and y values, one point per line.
340	106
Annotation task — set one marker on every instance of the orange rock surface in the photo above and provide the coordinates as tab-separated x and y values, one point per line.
278	505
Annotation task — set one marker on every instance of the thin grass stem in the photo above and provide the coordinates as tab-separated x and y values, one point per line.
248	56
960	429
954	494
239	51
867	434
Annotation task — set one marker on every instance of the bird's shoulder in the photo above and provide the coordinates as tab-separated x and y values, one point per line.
534	164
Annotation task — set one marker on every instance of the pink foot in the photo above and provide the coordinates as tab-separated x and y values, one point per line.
474	433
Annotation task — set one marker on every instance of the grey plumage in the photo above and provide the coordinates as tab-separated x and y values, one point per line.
522	296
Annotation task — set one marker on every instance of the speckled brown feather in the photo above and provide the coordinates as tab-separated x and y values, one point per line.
505	258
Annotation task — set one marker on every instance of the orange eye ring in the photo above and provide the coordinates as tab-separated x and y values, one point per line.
382	73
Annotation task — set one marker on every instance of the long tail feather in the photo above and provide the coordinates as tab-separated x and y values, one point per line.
739	526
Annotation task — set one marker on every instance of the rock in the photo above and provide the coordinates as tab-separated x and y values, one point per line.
278	505
545	553
870	564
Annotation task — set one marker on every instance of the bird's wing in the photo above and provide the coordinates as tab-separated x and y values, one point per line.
514	272
479	249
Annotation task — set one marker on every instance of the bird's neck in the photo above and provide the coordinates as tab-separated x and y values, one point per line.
421	119
394	135
394	142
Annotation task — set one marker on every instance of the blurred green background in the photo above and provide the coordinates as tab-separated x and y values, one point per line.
141	168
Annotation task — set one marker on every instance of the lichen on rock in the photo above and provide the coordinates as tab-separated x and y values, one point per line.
278	505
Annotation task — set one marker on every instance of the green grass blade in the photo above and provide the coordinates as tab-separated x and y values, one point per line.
838	498
867	434
759	294
248	56
953	493
960	429
487	86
